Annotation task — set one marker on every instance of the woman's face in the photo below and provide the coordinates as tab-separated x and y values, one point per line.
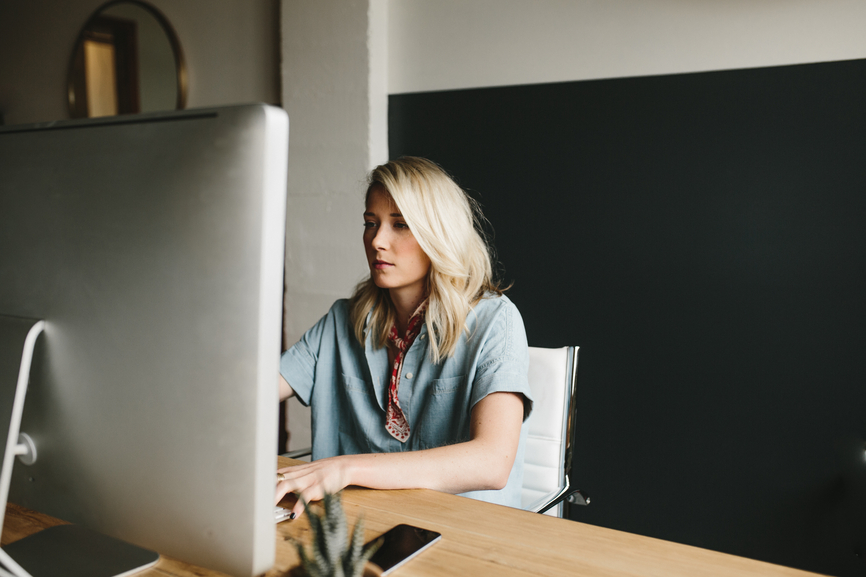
395	257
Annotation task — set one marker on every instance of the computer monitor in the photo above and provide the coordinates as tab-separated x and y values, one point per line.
152	247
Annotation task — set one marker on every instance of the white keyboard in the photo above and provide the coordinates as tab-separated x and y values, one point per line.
281	514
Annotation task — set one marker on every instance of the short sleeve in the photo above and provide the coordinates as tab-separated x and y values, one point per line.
503	357
298	364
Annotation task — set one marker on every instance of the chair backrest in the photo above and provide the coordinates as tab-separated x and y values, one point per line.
547	461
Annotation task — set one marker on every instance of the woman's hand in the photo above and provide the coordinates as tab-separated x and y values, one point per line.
310	481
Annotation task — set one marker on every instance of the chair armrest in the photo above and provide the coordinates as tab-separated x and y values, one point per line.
571	494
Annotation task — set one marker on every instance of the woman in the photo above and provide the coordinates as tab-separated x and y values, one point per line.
420	379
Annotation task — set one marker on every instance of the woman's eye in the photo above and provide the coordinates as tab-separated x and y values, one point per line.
401	225
368	224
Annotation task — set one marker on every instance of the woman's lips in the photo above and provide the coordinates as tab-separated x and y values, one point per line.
381	264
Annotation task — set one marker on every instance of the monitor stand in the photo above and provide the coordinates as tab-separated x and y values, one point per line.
69	550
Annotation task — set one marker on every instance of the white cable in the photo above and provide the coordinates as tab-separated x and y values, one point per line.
17	411
12	443
16	569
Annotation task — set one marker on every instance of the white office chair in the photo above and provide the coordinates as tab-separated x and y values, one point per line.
548	457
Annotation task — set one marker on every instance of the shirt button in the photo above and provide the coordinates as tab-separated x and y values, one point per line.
422	337
408	375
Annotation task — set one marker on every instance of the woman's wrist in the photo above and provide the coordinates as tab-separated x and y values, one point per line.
347	465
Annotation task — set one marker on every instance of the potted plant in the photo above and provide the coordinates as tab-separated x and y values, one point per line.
332	553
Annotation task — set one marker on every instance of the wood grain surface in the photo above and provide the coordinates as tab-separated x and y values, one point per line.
477	539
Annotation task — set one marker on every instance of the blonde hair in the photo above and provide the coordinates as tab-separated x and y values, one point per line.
446	222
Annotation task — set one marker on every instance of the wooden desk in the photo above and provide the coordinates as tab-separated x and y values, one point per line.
480	539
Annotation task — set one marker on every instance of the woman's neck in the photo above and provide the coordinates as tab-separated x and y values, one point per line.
406	303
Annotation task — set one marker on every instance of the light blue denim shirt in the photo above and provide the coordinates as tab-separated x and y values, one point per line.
346	386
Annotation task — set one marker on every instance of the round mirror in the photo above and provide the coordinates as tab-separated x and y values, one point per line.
127	59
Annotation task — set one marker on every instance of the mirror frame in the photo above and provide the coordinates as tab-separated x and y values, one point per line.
78	107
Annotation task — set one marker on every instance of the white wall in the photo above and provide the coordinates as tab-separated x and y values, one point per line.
231	49
448	44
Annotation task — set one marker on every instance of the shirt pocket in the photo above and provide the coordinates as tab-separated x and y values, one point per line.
353	383
357	417
443	413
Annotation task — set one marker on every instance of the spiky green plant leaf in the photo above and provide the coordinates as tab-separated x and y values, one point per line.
332	553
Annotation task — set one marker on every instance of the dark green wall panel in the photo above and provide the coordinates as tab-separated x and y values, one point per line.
702	237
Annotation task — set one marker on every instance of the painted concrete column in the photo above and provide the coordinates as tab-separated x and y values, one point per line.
334	85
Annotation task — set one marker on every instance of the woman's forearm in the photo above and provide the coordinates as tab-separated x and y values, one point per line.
459	468
483	462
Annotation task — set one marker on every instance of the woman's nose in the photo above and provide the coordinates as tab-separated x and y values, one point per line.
381	238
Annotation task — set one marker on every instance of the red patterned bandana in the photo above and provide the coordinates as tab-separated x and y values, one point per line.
395	420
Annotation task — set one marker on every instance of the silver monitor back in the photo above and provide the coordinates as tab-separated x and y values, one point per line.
152	246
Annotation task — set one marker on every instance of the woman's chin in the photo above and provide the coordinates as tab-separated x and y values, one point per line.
380	282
